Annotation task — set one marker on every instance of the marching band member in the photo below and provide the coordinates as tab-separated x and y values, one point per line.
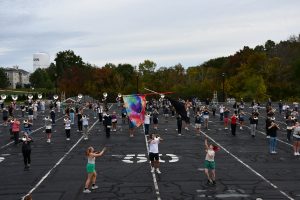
296	137
48	125
67	123
114	121
27	126
15	127
290	124
26	150
85	124
153	142
273	137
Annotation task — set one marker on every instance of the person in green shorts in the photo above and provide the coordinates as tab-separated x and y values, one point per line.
90	168
209	163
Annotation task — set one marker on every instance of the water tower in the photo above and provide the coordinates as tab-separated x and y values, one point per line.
40	60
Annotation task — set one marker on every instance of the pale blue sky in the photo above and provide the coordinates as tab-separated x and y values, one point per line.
129	31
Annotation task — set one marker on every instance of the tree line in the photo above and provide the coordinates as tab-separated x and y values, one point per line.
266	71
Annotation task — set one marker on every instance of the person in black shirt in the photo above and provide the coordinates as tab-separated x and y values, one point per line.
26	150
179	124
107	124
273	137
79	121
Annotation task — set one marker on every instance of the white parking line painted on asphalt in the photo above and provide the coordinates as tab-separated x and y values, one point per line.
250	168
153	173
58	163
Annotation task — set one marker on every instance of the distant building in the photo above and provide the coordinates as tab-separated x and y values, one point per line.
17	76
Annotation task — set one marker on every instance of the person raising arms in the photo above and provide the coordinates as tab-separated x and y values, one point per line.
91	170
209	164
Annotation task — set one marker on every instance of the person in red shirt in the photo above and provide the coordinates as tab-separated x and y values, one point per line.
15	126
233	120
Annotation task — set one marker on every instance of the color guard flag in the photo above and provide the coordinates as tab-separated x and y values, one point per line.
135	107
180	108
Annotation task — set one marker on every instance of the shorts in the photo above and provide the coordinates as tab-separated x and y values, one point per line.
197	126
131	125
90	168
30	117
48	131
5	118
296	138
153	156
209	164
226	120
206	116
155	121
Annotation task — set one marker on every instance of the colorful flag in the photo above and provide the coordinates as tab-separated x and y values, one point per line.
135	106
180	108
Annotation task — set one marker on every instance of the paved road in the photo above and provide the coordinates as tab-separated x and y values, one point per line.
245	169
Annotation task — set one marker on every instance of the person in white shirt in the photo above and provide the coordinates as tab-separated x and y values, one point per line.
48	125
85	124
58	105
296	138
147	123
222	108
153	141
67	123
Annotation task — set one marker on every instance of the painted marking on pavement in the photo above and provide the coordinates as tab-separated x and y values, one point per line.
140	158
153	173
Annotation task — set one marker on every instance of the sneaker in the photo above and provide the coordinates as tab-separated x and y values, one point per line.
94	187
241	128
208	182
85	138
298	154
214	182
295	153
268	136
226	128
179	134
86	191
152	169
158	171
68	138
48	141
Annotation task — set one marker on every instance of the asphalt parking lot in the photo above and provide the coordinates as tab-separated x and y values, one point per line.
244	167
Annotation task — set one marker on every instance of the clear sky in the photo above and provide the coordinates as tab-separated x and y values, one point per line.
167	32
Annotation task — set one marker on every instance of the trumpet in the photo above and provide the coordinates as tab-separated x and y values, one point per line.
40	96
80	96
256	118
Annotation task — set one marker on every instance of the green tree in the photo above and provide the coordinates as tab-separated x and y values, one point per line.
4	83
41	79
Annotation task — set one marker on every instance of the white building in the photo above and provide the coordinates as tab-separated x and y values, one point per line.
17	76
